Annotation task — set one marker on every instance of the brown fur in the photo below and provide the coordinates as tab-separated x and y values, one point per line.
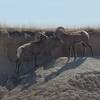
71	39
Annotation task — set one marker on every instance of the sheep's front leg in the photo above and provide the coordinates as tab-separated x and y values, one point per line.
74	50
35	61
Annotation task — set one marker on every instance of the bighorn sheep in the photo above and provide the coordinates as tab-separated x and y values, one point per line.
29	51
71	39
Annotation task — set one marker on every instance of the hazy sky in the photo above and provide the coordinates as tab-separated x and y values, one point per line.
50	12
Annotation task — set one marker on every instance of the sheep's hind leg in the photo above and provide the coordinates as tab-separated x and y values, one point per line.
18	63
17	78
74	52
84	49
90	48
35	62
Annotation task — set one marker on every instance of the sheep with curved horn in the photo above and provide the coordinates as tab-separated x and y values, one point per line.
29	51
71	39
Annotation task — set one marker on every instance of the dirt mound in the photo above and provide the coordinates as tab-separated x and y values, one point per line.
89	81
84	86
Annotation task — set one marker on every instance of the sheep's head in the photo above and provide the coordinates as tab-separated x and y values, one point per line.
40	36
59	32
50	34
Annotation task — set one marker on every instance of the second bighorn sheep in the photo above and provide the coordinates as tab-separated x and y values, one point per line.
71	39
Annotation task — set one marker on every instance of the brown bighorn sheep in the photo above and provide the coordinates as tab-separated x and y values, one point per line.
71	39
29	51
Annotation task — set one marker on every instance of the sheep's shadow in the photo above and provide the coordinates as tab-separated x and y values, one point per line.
74	64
